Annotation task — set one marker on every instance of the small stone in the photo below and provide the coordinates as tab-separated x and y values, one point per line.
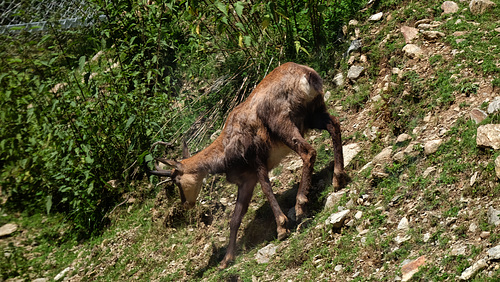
401	239
350	151
334	198
494	106
473	179
478	115
403	224
409	33
428	171
422	21
433	35
41	279
338	268
493	216
353	22
376	17
337	219
384	156
484	235
8	229
488	136
432	146
403	138
339	79
410	268
427	237
62	273
264	255
413	50
473	227
469	272
354	72
480	6
449	7
358	215
458	250
494	253
327	96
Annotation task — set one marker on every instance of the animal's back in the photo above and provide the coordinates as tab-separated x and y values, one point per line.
286	91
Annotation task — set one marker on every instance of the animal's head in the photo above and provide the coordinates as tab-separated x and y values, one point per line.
182	174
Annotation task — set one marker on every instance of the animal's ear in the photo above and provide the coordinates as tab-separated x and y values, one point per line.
185	150
173	163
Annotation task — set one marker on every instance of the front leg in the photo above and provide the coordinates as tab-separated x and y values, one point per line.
280	217
245	192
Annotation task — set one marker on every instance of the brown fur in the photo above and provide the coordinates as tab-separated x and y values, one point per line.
256	135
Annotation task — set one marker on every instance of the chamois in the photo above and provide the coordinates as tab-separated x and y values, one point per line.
257	134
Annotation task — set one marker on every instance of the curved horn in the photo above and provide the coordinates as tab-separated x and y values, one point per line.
162	172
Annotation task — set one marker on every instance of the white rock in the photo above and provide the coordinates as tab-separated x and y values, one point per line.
428	171
403	224
493	216
376	17
469	272
488	136
63	273
427	237
473	179
350	151
265	254
339	79
433	35
449	7
430	147
358	215
458	250
334	198
384	156
494	106
403	137
494	253
480	6
8	229
413	50
337	219
354	72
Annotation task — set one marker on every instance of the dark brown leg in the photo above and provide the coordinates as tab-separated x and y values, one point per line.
245	192
339	177
293	139
280	217
325	121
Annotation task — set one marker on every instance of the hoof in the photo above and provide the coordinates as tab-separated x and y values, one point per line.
340	180
224	264
283	234
300	214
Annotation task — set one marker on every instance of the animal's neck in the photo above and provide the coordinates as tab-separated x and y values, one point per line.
208	161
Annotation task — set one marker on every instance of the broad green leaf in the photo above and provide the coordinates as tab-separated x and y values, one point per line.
238	6
81	63
222	8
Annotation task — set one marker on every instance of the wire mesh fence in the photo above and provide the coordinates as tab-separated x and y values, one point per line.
36	15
